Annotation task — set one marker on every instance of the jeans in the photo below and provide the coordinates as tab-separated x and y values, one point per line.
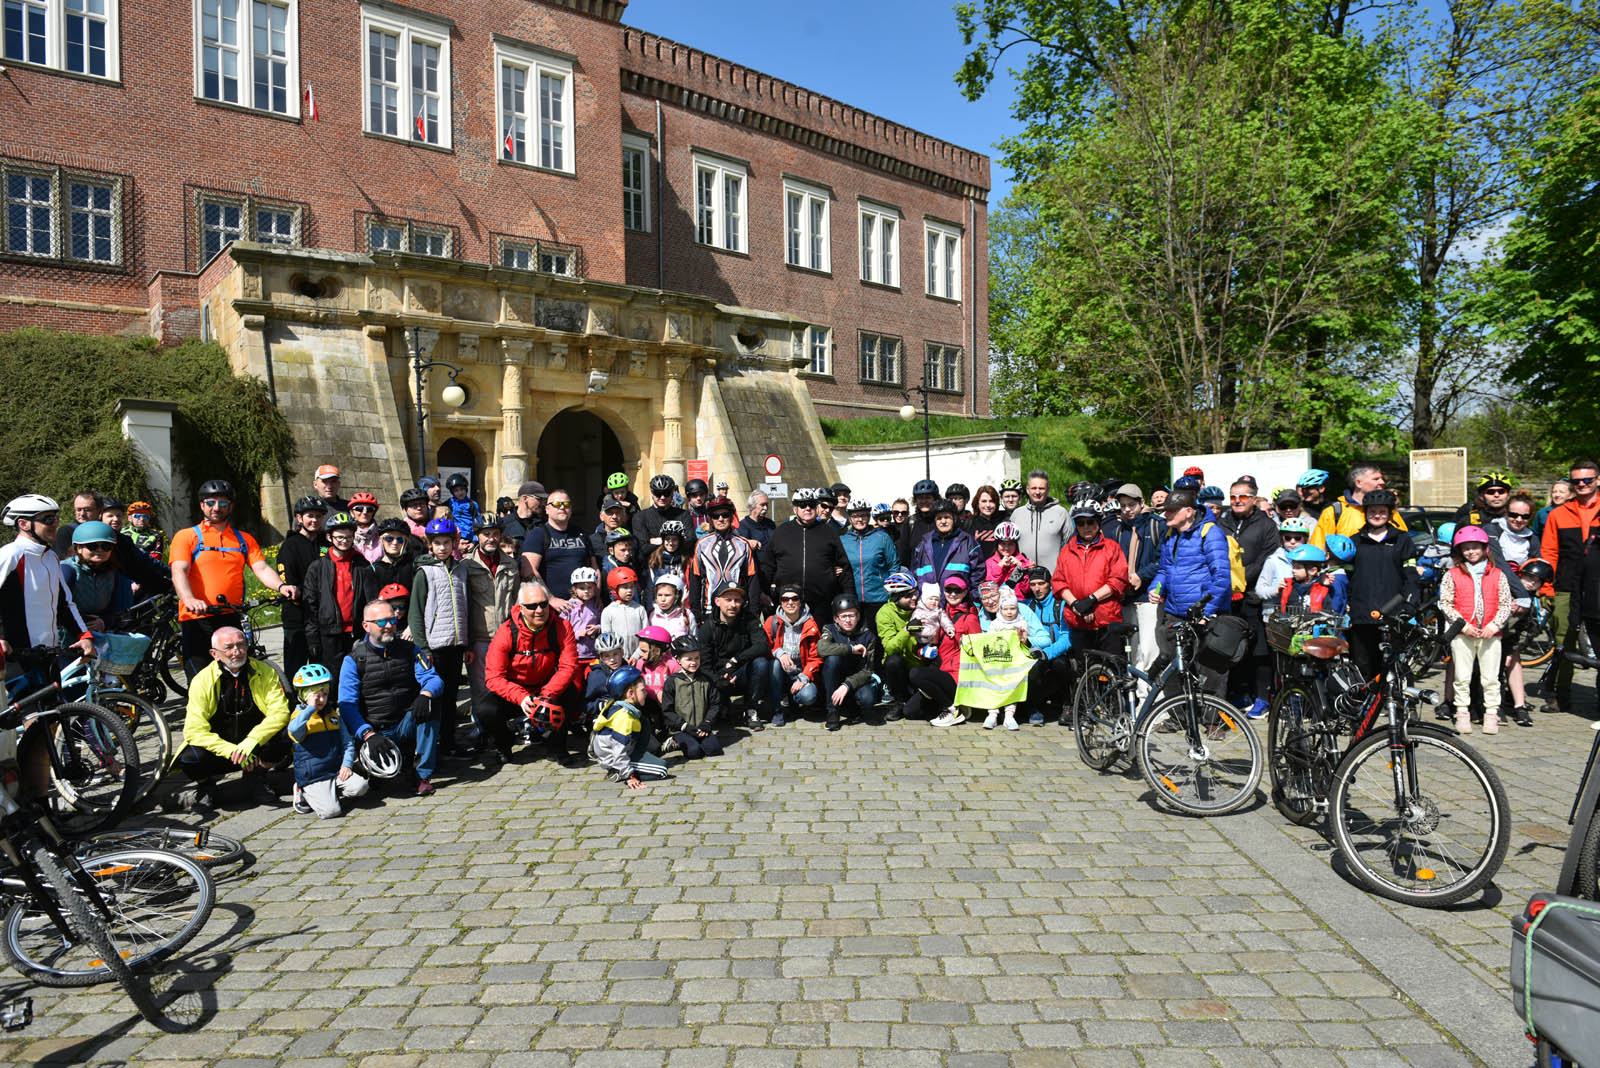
835	669
746	678
777	682
423	736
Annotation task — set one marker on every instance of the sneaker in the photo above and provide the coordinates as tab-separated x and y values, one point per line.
670	745
896	712
992	720
1011	721
777	719
301	807
1036	719
1257	710
1463	722
1491	723
834	722
1445	711
1520	716
424	788
752	721
951	718
1065	719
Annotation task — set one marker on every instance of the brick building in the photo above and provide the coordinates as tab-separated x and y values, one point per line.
542	140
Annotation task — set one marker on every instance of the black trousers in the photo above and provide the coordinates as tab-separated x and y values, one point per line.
1212	681
202	765
1366	650
1049	682
449	662
296	650
896	676
932	692
1252	675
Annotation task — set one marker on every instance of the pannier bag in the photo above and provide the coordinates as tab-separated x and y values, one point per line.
1555	972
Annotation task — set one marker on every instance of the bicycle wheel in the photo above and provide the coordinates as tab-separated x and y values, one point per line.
173	671
1448	839
1296	743
1220	776
156	902
200	844
151	734
92	954
1587	882
93	764
1100	719
1539	643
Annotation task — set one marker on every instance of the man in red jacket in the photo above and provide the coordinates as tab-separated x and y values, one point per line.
532	667
1090	578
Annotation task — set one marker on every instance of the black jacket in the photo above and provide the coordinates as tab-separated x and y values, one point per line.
297	553
806	556
1381	570
913	530
743	641
402	571
647	525
1257	536
835	642
321	600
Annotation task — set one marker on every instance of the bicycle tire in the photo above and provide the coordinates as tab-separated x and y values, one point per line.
152	735
1586	882
1291	753
1539	644
97	939
94	765
1468	783
1218	781
157	902
200	844
173	671
1100	720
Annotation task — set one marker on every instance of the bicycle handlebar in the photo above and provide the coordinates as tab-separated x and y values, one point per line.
1580	660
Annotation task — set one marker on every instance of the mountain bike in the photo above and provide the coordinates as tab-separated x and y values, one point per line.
156	617
1417	815
82	679
1200	756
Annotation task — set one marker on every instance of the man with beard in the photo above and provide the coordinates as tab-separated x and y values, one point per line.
235	719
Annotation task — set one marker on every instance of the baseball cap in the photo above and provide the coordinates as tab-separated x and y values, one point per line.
1128	489
327	471
609	502
531	489
730	587
1288	494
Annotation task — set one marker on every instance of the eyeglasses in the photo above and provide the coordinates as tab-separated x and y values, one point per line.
215	502
363	508
387	621
560	506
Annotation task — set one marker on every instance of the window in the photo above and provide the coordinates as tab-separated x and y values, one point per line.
247	54
719	197
635	183
67	216
880	245
226	218
943	368
805	213
546	257
385	234
880	359
73	35
820	345
535	108
407	77
944	261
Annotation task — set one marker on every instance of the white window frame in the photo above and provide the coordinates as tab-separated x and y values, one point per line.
112	215
938	372
56	17
409	97
880	360
806	240
527	127
880	260
942	259
819	347
541	258
61	211
636	146
249	221
409	230
712	222
244	48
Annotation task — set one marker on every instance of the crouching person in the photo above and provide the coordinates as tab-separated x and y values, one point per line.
386	683
848	648
235	720
620	742
533	668
324	748
691	704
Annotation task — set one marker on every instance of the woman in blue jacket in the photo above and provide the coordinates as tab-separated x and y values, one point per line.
873	555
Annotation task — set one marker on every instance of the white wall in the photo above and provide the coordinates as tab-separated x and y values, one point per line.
1273	469
884	472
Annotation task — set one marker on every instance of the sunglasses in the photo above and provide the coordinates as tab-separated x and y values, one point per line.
387	621
1237	497
1582	481
1293	537
897	514
789	597
99	547
1084	521
363	508
393	537
540	606
1519	515
560	506
216	502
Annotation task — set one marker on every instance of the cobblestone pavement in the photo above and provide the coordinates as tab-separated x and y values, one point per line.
884	895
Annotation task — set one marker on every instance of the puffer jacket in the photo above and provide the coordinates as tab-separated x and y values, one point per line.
437	614
1195	564
1048	612
964	620
1080	570
872	557
1045	528
809	660
940	558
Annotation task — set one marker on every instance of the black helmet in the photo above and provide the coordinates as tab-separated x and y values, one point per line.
1085	490
695	486
925	486
958	489
944	504
840	490
686	643
455	480
110	504
310	504
1379	498
491	522
1538	570
413	496
394	525
662	485
216	487
846	602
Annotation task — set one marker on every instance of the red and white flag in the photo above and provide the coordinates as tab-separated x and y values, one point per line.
422	128
511	145
311	104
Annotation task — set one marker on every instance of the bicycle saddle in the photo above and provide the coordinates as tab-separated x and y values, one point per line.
1115	629
1325	648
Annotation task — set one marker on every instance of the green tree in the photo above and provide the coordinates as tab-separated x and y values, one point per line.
1217	237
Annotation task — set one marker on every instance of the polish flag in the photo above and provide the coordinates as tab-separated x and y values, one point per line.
511	145
311	104
422	128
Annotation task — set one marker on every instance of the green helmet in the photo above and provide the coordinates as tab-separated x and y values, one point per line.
1296	524
616	480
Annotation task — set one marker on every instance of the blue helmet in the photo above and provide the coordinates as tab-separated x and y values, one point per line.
441	526
312	675
1187	482
881	508
1309	554
1341	548
900	581
1445	534
621	679
92	532
1314	477
1208	494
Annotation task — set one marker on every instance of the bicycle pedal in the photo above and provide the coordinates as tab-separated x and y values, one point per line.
15	1015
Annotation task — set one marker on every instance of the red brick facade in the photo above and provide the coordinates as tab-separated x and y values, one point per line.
148	133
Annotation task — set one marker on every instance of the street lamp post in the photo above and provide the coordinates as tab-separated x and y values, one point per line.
908	413
454	395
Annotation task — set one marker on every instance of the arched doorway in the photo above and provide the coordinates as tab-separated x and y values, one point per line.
576	452
457	455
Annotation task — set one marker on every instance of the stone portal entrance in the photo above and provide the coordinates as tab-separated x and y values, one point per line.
577	450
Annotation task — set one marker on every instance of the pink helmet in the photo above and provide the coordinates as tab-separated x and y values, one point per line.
1007	531
1468	535
658	635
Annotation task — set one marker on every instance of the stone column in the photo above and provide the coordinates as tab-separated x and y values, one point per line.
513	449
676	369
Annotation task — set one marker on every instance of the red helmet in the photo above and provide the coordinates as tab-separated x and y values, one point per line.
392	591
546	714
364	498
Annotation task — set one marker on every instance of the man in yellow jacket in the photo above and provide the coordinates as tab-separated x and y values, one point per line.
1344	515
235	721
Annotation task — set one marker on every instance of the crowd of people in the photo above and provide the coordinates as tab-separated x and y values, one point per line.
663	626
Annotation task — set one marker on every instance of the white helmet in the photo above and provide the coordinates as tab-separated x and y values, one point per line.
27	506
670	578
380	756
584	574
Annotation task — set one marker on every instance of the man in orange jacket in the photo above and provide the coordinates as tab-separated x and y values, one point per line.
1567	531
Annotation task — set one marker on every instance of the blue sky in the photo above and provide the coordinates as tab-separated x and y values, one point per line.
895	58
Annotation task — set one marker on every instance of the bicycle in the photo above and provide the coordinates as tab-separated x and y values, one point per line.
1199	755
205	847
72	922
157	617
176	671
1421	837
152	735
1303	743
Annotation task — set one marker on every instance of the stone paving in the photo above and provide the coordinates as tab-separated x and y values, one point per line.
888	895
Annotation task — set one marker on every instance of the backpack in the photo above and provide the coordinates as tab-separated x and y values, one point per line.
1235	560
200	545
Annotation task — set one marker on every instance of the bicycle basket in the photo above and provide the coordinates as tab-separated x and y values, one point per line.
120	654
1285	636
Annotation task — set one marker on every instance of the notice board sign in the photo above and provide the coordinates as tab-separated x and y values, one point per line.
1438	477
